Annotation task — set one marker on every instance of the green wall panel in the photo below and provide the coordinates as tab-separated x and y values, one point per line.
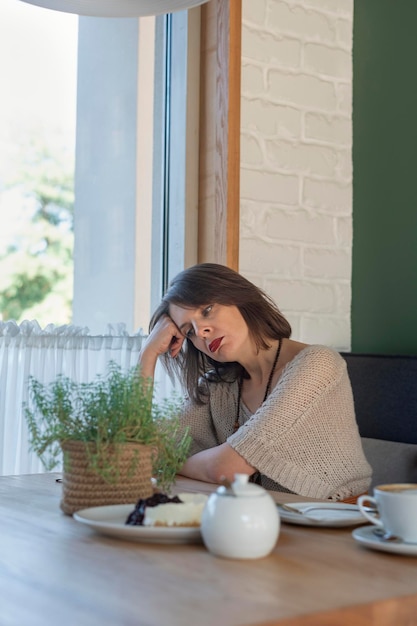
384	276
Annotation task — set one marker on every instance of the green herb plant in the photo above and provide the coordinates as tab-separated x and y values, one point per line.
110	410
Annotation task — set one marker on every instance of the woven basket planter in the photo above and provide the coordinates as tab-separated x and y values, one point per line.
83	487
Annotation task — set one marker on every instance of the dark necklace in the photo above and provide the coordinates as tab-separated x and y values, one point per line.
267	389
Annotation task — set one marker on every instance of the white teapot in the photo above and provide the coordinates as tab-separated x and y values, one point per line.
240	521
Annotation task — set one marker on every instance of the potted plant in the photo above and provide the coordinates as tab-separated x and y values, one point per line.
111	435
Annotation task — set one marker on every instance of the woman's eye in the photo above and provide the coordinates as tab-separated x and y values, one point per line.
207	310
189	333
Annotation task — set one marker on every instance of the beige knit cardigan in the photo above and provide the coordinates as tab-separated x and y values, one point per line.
303	439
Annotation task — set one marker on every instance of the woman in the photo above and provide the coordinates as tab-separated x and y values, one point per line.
258	402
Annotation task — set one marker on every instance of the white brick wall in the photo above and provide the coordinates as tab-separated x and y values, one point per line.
296	170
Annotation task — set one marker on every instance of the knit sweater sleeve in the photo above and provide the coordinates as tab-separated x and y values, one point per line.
305	436
211	423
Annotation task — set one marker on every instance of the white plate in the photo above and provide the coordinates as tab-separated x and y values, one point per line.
330	514
367	537
110	520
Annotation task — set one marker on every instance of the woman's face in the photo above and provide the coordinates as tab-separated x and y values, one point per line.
215	329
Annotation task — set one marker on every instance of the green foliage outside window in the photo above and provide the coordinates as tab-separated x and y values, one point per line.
36	265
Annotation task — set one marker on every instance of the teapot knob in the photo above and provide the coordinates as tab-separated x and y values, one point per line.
241	479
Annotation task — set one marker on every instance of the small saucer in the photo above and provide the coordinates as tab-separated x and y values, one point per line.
328	514
366	536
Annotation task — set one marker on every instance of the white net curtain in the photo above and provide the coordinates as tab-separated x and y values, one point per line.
28	350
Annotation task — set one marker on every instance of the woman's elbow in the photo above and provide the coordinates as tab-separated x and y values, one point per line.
226	465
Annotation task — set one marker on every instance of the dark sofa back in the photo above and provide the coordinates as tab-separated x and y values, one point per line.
385	394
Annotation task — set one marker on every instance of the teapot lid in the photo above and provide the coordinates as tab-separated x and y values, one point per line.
241	487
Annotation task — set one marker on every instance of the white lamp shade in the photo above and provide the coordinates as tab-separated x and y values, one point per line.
117	8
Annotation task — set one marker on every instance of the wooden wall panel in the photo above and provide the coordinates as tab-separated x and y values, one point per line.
219	173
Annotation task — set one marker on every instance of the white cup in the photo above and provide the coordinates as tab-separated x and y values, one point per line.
396	509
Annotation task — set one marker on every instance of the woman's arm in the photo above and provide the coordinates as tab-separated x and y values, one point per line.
215	464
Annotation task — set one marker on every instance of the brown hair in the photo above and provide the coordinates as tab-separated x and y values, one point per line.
211	283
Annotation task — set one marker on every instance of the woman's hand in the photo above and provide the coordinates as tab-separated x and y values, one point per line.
164	337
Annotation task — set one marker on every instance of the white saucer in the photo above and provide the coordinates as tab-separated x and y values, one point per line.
110	520
366	536
329	514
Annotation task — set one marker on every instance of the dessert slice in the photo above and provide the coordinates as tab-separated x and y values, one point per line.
161	510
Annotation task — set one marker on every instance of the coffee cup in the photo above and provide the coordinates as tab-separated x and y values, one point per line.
395	509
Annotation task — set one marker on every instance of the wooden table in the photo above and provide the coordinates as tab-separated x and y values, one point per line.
56	571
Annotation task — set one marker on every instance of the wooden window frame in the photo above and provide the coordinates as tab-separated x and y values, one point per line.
219	158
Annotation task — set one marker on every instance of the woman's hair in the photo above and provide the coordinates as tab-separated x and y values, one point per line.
210	283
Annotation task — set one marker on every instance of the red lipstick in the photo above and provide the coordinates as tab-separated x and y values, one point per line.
215	344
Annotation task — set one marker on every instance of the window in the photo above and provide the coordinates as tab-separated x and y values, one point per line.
136	173
135	198
136	119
